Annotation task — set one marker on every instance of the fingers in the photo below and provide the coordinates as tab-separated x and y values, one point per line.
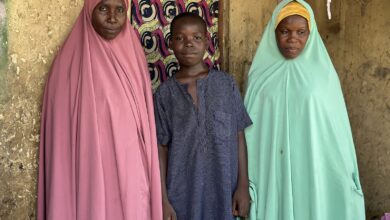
243	209
171	216
240	208
169	213
174	215
235	208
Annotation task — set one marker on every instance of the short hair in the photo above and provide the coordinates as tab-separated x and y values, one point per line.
188	15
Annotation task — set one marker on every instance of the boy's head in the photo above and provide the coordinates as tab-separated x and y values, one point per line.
188	16
189	39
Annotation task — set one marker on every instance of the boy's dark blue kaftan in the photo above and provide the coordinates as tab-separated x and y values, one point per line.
202	144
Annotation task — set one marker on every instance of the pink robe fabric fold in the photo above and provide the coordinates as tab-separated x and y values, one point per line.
98	151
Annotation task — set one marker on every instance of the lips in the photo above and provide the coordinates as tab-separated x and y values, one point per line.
189	54
291	50
111	31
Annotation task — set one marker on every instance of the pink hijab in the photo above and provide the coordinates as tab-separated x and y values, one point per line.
98	151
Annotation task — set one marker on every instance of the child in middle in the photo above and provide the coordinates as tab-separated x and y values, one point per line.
200	120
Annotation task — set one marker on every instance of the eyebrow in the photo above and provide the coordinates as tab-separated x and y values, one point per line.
104	2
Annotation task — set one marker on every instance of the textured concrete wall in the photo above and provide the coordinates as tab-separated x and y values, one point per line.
243	26
3	34
357	39
36	29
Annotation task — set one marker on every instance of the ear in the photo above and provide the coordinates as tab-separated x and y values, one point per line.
170	43
207	41
207	38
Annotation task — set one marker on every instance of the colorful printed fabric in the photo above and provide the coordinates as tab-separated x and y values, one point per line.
152	20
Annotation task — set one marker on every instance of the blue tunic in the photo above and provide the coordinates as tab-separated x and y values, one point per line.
202	144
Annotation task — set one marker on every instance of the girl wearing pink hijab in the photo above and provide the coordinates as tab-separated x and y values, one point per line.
98	152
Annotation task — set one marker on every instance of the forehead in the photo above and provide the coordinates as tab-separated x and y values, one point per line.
188	23
294	20
112	2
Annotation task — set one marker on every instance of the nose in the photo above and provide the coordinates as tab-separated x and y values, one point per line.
188	42
292	38
111	17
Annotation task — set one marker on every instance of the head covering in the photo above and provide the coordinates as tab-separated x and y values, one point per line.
301	154
268	51
98	151
293	8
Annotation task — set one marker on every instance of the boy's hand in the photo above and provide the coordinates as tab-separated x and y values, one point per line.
168	211
241	201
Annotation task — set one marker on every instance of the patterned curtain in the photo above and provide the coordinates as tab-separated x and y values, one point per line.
152	19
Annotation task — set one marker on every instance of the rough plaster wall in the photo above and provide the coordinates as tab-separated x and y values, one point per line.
3	34
243	29
357	39
36	29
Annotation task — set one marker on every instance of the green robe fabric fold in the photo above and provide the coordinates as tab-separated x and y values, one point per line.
302	162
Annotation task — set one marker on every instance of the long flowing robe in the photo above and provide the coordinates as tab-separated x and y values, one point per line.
98	151
302	162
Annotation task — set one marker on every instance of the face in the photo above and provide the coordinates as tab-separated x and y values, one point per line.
108	18
291	35
189	42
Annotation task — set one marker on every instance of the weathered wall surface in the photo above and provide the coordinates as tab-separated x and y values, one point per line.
243	26
357	39
36	29
3	34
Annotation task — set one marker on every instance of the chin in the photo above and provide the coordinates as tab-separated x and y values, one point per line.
290	56
108	36
111	37
190	63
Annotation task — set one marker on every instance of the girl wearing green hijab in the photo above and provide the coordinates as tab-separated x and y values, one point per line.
302	162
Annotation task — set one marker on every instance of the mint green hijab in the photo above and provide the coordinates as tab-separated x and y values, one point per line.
302	162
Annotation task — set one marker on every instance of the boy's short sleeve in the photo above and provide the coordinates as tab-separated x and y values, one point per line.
242	116
162	123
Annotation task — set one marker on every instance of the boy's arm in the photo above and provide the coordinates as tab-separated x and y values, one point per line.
241	197
168	211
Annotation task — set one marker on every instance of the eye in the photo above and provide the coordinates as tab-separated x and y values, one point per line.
301	32
283	31
178	38
198	37
103	8
121	9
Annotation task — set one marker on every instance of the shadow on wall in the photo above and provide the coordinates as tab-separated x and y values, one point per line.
3	35
3	47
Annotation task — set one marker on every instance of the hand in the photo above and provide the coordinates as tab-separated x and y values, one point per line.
168	211
241	201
